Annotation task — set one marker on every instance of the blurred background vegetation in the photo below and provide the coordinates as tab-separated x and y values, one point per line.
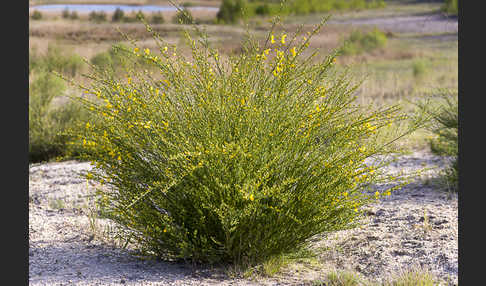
401	49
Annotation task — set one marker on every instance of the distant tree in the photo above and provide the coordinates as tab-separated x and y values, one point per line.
231	11
117	15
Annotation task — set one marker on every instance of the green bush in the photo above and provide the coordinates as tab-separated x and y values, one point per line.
237	159
451	7
65	13
135	17
231	11
302	7
183	16
262	9
443	109
47	123
445	127
56	59
419	68
359	42
118	15
34	60
116	58
36	15
103	60
74	15
97	16
157	18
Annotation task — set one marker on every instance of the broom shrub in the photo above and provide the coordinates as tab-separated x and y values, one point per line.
233	159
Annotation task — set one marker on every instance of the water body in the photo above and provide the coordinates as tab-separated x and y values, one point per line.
112	8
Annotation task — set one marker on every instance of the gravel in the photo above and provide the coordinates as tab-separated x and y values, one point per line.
416	226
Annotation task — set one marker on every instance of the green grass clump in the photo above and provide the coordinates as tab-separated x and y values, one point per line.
445	126
48	124
109	60
236	159
419	68
343	278
360	42
442	111
413	277
56	59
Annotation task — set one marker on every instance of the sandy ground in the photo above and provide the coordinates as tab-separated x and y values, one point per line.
416	226
412	24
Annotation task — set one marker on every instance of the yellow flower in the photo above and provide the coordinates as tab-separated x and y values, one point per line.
147	51
377	194
294	53
165	229
272	39
136	50
129	80
251	197
370	127
283	39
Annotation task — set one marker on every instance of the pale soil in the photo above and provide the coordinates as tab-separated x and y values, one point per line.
395	236
407	24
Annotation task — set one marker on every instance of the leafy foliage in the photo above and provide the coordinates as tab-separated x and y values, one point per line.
157	18
359	42
183	16
235	159
36	15
97	17
443	110
451	6
231	11
118	15
48	123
